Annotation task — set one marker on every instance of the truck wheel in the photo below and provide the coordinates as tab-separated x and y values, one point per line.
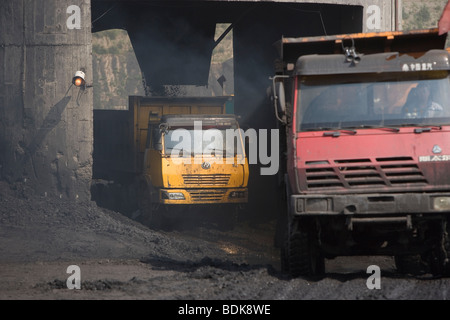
227	217
440	255
149	217
410	264
304	257
280	237
284	253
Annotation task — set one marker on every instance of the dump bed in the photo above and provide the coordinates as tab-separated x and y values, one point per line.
145	109
120	135
414	42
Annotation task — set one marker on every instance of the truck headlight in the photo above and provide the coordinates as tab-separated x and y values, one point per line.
316	205
441	203
236	194
172	195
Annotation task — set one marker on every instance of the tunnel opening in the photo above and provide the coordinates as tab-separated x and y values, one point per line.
174	45
173	40
117	75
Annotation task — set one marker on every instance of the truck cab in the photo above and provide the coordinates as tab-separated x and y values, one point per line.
367	142
190	161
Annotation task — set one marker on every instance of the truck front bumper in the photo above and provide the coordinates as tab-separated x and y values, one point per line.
370	204
203	196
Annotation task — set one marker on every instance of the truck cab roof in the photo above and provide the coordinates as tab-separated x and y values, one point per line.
372	63
412	41
374	48
190	119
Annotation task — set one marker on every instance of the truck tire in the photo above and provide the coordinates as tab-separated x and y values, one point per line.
227	217
149	217
284	254
228	223
440	255
280	237
303	254
411	264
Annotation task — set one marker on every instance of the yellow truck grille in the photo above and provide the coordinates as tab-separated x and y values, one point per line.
207	195
206	179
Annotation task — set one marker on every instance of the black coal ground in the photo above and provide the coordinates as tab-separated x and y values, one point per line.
122	259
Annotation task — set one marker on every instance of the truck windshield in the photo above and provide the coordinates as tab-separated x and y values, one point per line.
373	100
185	141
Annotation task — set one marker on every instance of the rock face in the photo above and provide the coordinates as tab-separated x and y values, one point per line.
117	73
46	125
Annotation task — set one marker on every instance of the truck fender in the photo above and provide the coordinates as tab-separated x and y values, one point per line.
145	182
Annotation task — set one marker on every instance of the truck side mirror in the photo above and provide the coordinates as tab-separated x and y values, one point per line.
279	97
158	146
157	139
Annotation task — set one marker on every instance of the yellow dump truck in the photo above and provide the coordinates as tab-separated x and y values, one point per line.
183	155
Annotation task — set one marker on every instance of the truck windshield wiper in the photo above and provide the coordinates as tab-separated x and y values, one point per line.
169	152
318	129
366	126
338	132
421	127
225	152
412	124
426	129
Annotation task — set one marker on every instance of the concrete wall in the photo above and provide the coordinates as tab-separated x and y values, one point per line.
45	127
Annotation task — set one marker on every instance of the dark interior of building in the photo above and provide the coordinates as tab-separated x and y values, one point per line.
173	42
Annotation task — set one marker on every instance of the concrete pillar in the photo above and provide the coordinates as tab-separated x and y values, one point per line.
46	124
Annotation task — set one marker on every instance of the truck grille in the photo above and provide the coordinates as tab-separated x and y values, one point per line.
206	179
357	173
207	195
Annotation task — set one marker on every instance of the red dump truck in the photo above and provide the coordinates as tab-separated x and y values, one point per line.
365	123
